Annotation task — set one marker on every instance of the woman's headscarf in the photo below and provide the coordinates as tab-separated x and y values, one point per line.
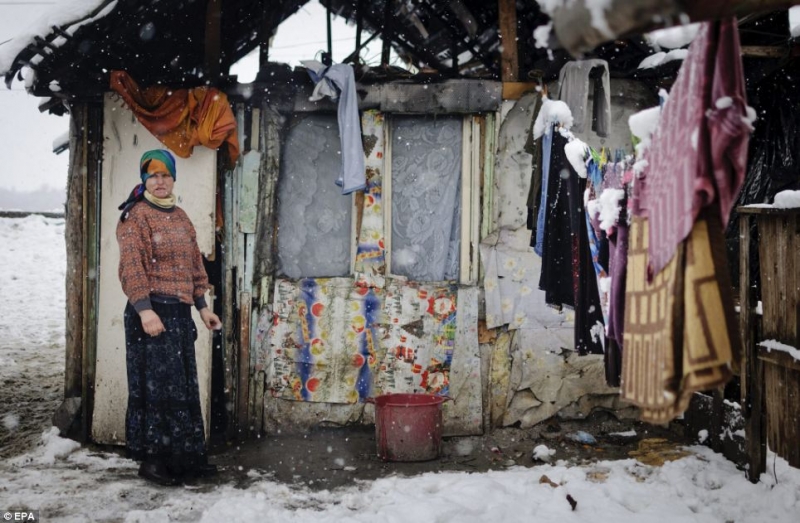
157	160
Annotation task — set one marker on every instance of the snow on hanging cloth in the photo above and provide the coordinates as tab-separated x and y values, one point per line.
552	112
699	151
181	118
331	81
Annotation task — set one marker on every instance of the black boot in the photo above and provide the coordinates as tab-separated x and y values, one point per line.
205	470
157	472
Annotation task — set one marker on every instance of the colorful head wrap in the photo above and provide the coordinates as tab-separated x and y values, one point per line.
157	160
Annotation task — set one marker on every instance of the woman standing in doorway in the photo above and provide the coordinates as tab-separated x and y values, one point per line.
162	274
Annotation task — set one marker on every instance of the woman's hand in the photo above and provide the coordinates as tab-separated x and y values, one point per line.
151	323
210	319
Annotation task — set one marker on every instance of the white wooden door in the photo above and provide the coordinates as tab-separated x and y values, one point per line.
124	141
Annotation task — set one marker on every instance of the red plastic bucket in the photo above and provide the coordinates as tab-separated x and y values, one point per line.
408	427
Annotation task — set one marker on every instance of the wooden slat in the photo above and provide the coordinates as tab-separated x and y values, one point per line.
242	393
753	209
467	171
767	51
487	183
779	358
752	368
783	404
248	192
508	34
228	310
258	407
272	127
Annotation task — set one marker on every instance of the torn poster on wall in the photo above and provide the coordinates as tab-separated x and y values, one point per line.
370	264
323	340
332	341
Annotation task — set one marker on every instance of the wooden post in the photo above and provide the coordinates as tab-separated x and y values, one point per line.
330	36
213	40
507	23
74	228
752	379
264	35
359	26
93	136
716	422
272	127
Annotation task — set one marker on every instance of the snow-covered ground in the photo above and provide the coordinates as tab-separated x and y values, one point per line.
67	483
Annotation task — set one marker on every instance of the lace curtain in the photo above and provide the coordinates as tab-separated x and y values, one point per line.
313	215
426	197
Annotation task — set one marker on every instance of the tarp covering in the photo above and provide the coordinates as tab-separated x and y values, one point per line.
181	118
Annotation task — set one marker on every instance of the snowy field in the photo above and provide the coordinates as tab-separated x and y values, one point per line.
66	483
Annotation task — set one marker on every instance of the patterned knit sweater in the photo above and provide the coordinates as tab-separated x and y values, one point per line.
159	257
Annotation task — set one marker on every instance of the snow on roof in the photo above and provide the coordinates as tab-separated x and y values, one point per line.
597	8
660	58
787	200
62	13
794	21
673	37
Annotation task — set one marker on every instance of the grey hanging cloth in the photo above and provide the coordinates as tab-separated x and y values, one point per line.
338	82
574	81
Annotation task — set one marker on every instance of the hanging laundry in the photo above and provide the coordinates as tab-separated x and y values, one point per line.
568	276
699	150
181	118
678	329
573	81
551	112
547	144
338	82
597	238
618	177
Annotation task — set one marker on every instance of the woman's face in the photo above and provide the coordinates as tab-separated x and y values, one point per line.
160	185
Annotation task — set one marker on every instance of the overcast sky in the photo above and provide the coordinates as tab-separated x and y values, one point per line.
27	136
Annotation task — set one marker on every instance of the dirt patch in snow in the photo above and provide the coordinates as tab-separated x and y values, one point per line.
332	457
31	388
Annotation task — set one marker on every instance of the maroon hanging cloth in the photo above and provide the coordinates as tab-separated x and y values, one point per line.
698	154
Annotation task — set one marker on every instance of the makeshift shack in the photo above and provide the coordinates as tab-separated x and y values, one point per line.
416	274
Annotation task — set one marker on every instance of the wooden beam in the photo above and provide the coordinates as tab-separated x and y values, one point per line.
265	33
359	26
507	23
515	90
765	51
577	31
469	44
387	32
213	40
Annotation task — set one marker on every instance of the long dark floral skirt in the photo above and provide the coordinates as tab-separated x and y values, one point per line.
164	422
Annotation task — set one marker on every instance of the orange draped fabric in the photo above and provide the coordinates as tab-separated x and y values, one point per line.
181	118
